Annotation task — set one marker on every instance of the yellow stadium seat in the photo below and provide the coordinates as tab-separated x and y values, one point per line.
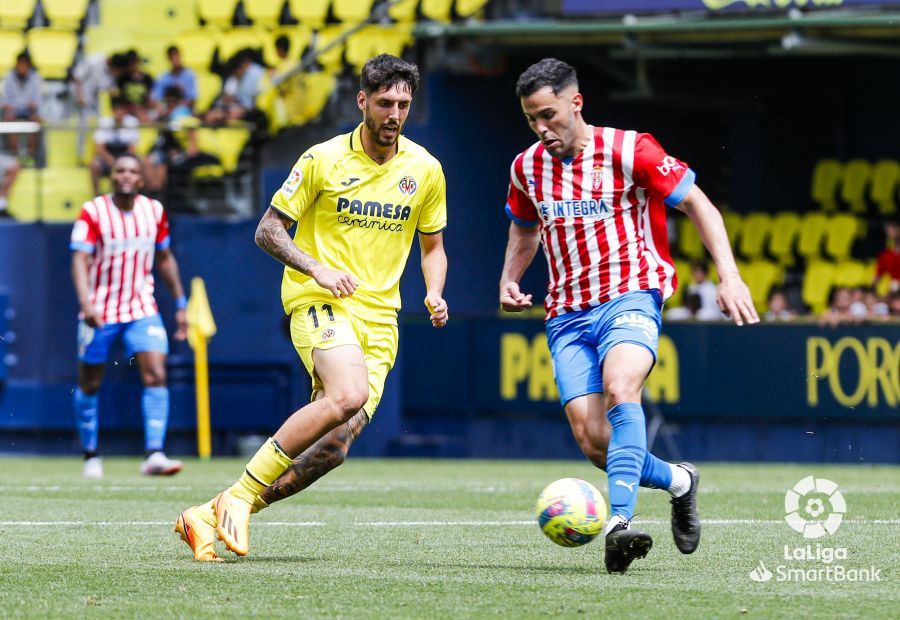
65	13
11	44
24	195
437	10
761	276
857	173
107	39
171	16
468	8
197	48
733	223
403	10
208	87
218	13
354	11
853	273
826	177
52	51
310	13
885	176
146	139
369	41
226	143
817	283
683	271
316	90
841	232
152	49
61	146
329	47
755	230
689	241
63	191
299	36
16	13
265	13
785	228
234	40
812	232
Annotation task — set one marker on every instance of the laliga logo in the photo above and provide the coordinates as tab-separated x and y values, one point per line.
806	502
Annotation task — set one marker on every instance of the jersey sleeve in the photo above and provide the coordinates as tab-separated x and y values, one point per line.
163	240
662	175
85	231
433	215
519	207
299	190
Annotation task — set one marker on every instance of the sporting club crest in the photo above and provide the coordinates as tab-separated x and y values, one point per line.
408	186
597	177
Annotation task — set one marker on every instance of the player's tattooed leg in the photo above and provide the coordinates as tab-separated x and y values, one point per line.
319	459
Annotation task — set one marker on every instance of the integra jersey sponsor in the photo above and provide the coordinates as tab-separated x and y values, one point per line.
372	214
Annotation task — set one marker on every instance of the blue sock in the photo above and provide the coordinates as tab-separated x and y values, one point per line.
656	474
625	457
86	418
155	405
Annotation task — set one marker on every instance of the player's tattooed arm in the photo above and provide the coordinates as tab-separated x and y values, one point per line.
273	238
323	456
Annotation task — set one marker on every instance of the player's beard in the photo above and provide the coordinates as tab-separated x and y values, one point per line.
374	130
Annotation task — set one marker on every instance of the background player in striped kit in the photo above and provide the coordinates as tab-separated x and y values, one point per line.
595	198
114	244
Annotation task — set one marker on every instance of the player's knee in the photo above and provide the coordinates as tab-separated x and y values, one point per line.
154	377
622	390
89	386
346	402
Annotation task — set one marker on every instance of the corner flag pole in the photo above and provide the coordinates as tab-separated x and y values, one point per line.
201	327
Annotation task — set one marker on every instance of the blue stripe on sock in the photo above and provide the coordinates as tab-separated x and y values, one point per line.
86	417
625	457
155	406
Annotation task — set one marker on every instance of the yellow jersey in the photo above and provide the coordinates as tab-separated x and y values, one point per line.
360	217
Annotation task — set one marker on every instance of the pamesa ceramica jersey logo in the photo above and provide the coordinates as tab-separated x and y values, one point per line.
814	507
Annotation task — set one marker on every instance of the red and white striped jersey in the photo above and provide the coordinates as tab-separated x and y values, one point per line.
602	216
122	245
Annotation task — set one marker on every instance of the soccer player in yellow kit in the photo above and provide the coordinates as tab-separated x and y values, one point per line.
357	201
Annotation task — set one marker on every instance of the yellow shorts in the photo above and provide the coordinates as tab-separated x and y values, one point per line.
327	325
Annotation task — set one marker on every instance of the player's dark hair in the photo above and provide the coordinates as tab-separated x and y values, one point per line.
384	71
551	72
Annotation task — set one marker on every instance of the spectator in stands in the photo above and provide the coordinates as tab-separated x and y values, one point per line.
893	304
9	168
704	287
840	299
93	75
889	260
22	100
136	88
116	135
778	308
688	311
237	101
869	305
179	76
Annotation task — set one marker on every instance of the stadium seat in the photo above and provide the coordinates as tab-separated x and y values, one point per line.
785	227
812	232
52	51
264	13
65	13
885	176
817	283
61	146
841	232
15	14
329	47
226	143
352	11
299	36
370	41
107	40
152	49
24	196
689	241
171	16
63	191
234	40
755	231
857	173
310	13
316	90
437	10
761	276
403	11
826	177
468	8
208	87
733	223
683	271
218	13
11	44
197	48
853	273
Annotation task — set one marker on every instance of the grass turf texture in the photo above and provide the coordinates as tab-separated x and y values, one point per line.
359	544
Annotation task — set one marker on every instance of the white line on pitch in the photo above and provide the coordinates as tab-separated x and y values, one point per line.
422	523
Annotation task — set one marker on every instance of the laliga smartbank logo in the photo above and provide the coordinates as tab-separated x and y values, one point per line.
814	508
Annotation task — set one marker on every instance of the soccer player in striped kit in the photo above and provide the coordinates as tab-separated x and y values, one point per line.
114	244
596	198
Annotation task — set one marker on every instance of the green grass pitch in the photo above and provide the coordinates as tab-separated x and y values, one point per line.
425	539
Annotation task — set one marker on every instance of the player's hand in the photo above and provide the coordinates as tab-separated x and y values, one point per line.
91	317
440	313
340	284
181	324
734	300
512	299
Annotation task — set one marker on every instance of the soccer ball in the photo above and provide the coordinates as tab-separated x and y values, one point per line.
571	512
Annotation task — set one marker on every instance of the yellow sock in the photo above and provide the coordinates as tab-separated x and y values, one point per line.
258	504
262	470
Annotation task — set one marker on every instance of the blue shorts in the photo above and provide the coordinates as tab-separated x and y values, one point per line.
579	341
147	334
